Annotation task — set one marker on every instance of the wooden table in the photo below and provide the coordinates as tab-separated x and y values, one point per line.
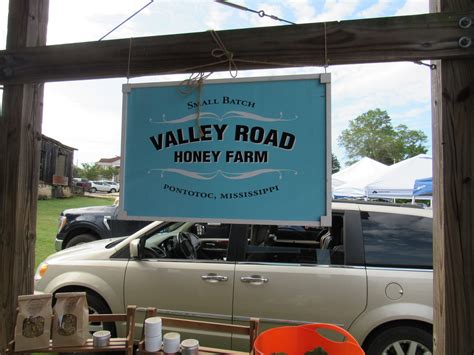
202	350
116	344
251	331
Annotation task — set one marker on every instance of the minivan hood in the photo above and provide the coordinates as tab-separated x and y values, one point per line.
86	251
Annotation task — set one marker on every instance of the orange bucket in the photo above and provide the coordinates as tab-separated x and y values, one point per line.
304	338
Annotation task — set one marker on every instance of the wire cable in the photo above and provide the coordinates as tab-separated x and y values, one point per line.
260	13
136	13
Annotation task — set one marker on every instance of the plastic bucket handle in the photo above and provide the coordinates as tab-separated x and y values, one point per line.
335	328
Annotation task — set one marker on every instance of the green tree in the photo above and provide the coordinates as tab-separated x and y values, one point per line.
91	171
336	166
77	171
373	135
408	143
109	172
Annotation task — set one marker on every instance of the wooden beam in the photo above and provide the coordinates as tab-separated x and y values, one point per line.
406	38
20	136
453	198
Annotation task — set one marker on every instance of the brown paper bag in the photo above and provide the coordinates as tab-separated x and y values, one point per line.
33	323
71	319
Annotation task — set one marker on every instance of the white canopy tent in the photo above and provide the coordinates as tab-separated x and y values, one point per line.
351	181
398	180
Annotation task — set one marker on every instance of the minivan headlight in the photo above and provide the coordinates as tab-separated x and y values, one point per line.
41	270
62	223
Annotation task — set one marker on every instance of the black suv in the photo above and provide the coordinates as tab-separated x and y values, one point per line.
86	224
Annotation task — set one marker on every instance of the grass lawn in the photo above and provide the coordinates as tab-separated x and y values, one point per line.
48	217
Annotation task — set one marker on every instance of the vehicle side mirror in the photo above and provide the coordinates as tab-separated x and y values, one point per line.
134	245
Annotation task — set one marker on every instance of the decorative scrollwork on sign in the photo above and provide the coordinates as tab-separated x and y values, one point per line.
227	175
227	115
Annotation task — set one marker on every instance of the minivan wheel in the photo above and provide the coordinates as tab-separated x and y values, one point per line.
402	340
80	239
98	306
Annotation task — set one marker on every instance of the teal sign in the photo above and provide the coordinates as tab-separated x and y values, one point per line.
241	151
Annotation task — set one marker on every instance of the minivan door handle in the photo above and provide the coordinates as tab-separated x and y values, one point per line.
212	278
254	279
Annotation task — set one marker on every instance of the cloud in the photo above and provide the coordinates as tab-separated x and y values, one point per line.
3	23
402	89
218	17
88	20
377	9
303	10
412	7
337	10
84	115
87	114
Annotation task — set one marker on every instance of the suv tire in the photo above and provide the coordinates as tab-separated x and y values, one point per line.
401	338
93	189
80	239
112	190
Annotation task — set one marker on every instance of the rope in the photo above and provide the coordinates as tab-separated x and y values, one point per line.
196	80
221	52
187	86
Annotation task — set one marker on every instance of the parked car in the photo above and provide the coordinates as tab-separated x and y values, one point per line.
87	224
81	182
371	273
113	184
102	186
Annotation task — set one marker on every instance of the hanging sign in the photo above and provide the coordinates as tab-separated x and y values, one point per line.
254	150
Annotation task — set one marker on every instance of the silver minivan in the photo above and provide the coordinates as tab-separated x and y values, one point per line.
371	273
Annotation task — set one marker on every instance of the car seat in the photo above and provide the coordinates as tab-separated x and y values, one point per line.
334	235
326	240
259	234
261	239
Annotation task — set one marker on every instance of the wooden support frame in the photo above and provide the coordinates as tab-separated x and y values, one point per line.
409	38
406	38
453	199
20	144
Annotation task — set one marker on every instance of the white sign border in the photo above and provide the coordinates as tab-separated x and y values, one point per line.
323	78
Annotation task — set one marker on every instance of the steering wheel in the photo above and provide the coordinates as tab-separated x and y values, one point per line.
187	244
155	252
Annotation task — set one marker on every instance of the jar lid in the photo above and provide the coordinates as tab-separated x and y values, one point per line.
153	321
190	344
101	334
171	336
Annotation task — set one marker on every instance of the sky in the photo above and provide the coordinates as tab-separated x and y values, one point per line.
87	114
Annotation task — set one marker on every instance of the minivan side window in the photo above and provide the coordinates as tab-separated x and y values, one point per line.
296	244
397	240
212	240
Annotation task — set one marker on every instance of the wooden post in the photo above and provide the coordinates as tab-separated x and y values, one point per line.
20	142
453	198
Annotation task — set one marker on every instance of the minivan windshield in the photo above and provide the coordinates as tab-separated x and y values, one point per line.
171	227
